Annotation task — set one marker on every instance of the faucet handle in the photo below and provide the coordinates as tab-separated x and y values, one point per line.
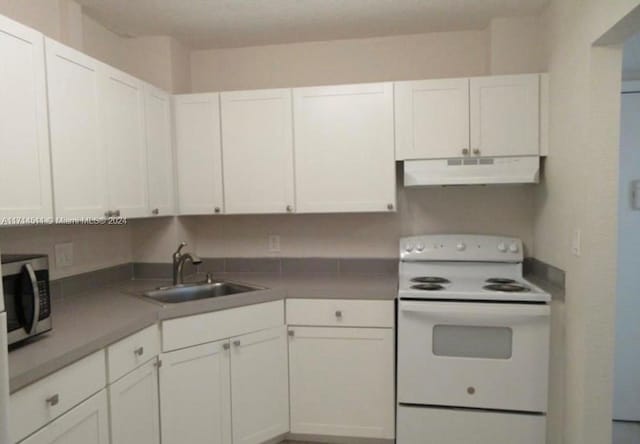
180	247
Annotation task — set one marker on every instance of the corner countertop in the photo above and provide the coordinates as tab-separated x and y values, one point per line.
88	322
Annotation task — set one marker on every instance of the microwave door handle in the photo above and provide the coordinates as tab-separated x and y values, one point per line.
477	313
36	297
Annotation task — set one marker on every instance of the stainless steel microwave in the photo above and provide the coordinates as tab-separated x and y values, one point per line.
27	297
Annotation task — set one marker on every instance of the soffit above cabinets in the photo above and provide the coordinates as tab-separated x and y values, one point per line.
229	23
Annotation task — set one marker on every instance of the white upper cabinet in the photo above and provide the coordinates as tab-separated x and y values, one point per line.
159	152
257	143
344	148
25	178
198	153
124	138
505	115
432	118
260	399
77	148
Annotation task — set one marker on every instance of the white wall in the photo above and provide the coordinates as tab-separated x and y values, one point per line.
94	247
580	192
443	54
627	364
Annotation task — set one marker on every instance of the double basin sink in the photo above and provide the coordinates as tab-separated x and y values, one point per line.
195	291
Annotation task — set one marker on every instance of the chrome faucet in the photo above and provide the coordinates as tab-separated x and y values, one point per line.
179	259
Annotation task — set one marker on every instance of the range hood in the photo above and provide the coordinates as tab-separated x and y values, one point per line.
471	171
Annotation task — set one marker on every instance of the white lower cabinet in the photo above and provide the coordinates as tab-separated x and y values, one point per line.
85	424
134	407
342	381
195	395
259	386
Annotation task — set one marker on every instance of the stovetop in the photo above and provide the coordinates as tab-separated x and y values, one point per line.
465	268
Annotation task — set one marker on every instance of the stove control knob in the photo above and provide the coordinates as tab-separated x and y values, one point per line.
408	248
419	247
514	248
461	246
502	247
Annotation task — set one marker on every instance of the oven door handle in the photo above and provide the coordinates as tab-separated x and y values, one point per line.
36	298
506	314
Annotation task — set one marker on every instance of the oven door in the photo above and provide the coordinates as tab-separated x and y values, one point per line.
477	355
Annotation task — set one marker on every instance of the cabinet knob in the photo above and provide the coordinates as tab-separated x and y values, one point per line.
158	363
226	346
338	314
108	213
155	211
390	206
476	152
289	209
217	210
53	400
471	390
291	333
465	151
139	351
116	213
236	343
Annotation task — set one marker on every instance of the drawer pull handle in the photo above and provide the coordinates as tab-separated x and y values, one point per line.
53	400
236	343
338	314
139	351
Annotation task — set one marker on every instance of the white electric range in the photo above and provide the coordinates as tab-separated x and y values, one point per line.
473	343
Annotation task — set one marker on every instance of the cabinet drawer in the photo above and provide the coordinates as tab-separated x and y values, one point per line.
131	352
41	402
209	327
340	312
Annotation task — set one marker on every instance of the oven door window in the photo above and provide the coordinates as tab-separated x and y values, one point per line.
463	341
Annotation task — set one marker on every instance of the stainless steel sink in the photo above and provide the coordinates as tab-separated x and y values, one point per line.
192	292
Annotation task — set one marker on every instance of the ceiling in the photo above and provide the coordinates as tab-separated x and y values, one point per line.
235	23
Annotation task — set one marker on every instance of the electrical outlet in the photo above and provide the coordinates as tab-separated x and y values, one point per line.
576	242
64	255
274	243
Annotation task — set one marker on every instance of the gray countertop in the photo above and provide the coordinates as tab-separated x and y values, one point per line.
86	323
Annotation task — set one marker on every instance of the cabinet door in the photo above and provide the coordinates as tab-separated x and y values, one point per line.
87	423
198	153
135	411
342	381
195	395
159	151
344	148
432	119
505	115
25	174
259	381
77	150
124	136
257	144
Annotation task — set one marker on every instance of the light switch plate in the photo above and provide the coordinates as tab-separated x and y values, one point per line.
274	243
576	242
64	255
